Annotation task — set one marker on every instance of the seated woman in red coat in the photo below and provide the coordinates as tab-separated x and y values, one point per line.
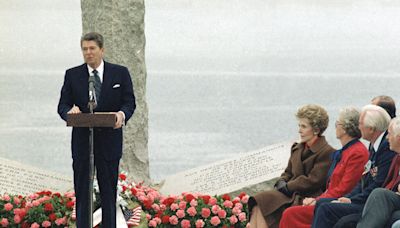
346	170
305	174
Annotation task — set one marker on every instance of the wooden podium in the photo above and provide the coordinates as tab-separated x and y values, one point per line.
97	119
91	120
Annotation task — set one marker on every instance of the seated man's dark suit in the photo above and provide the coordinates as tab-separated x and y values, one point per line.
383	203
327	214
116	95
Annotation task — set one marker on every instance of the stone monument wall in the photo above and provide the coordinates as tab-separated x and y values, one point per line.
122	25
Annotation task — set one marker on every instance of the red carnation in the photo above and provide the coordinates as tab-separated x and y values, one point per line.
44	193
159	214
48	207
189	197
70	204
57	195
165	219
235	201
206	198
133	191
168	201
147	203
242	194
226	197
122	176
52	217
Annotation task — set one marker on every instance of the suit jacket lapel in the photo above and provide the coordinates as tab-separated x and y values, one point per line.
107	81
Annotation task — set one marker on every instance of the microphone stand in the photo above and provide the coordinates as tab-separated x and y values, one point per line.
92	104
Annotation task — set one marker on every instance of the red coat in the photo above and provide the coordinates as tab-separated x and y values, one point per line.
347	172
344	178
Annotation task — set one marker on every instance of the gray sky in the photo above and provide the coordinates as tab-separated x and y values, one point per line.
272	36
223	36
39	34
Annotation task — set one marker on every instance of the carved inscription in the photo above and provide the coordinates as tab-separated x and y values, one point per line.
17	178
231	175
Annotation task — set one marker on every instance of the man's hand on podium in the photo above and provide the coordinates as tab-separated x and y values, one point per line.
74	110
120	120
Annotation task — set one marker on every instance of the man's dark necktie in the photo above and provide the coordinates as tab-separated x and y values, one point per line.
97	85
372	153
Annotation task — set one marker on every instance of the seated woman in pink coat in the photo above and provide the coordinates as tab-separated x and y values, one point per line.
305	174
345	172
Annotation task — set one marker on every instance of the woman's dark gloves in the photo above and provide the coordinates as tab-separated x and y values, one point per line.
281	186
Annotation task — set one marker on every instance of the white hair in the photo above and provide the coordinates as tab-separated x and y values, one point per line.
375	117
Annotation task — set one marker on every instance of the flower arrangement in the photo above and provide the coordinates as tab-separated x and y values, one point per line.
143	205
42	209
185	210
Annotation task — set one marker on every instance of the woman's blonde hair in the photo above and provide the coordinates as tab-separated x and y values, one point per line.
316	116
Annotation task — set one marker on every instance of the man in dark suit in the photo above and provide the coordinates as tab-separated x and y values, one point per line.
115	95
373	124
383	205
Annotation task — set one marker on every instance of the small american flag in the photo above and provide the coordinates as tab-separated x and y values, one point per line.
132	217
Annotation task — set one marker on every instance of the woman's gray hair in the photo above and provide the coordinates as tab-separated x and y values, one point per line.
375	117
349	117
395	125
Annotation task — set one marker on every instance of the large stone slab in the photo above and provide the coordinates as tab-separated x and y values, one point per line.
18	178
122	25
232	174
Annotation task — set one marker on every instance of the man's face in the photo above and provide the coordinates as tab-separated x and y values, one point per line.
366	132
92	53
394	140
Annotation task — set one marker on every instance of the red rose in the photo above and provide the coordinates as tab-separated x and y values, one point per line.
189	198
165	219
226	197
206	199
48	207
52	217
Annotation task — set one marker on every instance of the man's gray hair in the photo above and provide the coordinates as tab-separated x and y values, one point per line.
375	117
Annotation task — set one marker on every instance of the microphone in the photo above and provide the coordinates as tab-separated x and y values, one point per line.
92	94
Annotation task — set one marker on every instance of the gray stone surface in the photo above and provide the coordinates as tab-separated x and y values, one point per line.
22	179
122	25
250	172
